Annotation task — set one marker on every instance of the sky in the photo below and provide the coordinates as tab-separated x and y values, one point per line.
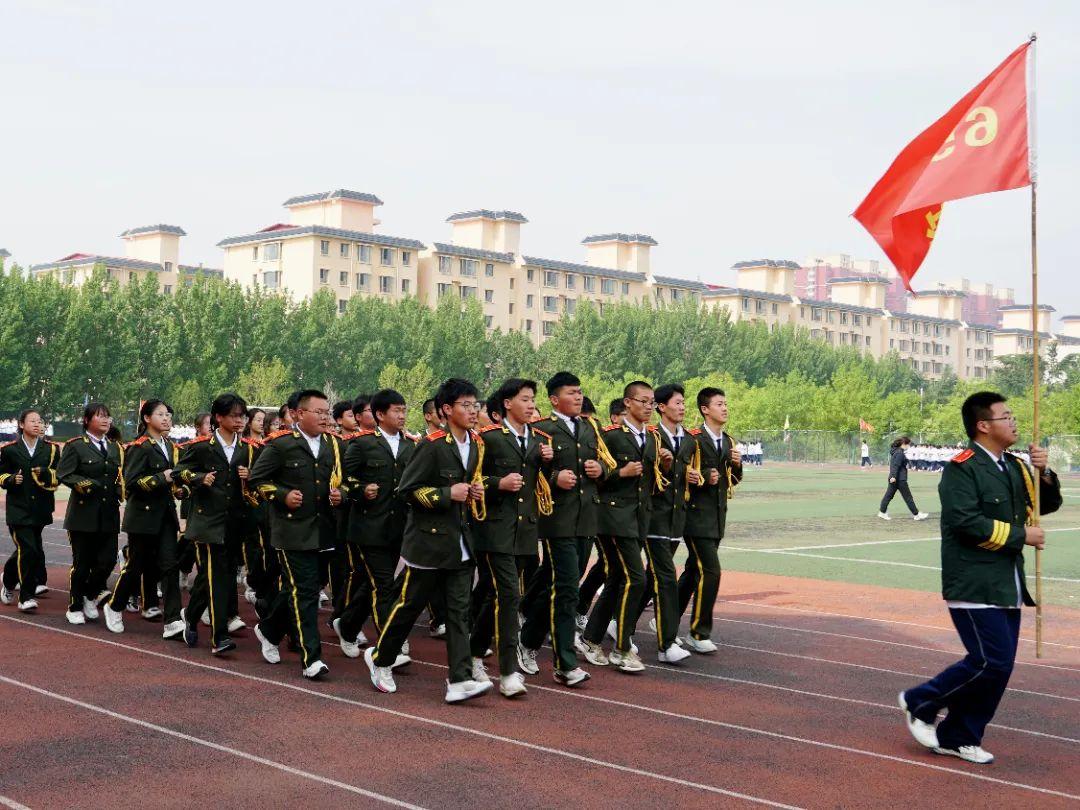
727	131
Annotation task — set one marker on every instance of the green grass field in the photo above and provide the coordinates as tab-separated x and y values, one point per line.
820	522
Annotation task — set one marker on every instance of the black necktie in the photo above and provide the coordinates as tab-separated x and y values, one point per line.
641	440
1004	469
101	449
573	423
678	441
522	439
720	447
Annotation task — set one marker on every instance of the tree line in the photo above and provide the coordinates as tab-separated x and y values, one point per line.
62	345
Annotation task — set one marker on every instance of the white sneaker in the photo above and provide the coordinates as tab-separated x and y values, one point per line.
702	646
315	671
593	653
463	690
652	624
400	661
158	590
89	609
236	624
626	661
968	753
28	606
133	604
114	619
205	618
101	597
6	596
479	671
382	678
572	678
527	659
249	595
323	598
75	617
41	590
150	614
173	630
883	516
924	733
270	652
404	647
183	581
924	516
512	685
672	655
612	631
580	622
438	632
350	648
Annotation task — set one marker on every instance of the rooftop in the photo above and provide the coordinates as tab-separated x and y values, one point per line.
628	238
1063	317
473	253
671	281
914	316
942	293
1014	331
281	231
784	263
4	253
858	279
337	194
83	259
584	269
811	302
173	229
732	292
1016	307
486	213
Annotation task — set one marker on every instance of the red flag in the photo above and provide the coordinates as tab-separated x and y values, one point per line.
982	144
865	426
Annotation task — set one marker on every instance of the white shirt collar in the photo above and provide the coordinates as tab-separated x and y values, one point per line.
95	440
221	441
30	448
570	420
713	435
524	429
996	459
678	431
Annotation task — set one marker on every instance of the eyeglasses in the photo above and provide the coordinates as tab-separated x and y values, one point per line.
468	406
1000	419
648	403
322	412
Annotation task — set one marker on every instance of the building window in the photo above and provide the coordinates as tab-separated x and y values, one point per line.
530	275
343	278
324	276
830	315
867	340
775	309
511	282
843	317
386	257
548	328
489	296
626	288
168	289
404	286
131	277
467	267
746	305
869	321
551	303
364	252
468	292
677	295
363	281
443	289
528	325
271	251
511	307
255	253
445	263
489	270
386	284
571	281
844	337
168	267
406	257
607	286
341	304
68	276
324	247
815	314
856	319
759	306
551	278
529	300
569	306
588	283
488	320
344	250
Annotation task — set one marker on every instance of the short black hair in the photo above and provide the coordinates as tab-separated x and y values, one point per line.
381	401
494	407
302	397
452	390
630	386
93	409
561	379
226	404
617	407
665	392
200	418
360	403
977	408
705	396
23	415
429	405
292	403
587	407
340	408
508	390
146	410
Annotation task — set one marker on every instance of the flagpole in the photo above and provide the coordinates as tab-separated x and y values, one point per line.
1035	398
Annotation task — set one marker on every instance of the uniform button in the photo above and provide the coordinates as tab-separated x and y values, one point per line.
521	500
520	517
433	531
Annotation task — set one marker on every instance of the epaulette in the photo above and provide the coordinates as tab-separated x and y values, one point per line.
694	431
54	443
277	434
609	428
490	428
251	441
74	439
537	418
8	444
963	456
198	439
434	437
651	428
364	432
539	432
140	440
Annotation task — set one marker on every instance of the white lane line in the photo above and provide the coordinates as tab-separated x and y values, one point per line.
14	805
869	542
814	612
418	718
314	777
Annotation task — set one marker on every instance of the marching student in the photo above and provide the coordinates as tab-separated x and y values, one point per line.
92	467
215	469
445	493
898	481
625	511
432	420
28	474
720	466
374	463
263	571
299	472
506	541
186	552
150	521
575	470
344	420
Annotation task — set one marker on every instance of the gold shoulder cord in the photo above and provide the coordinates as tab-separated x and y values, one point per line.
602	452
120	473
695	464
249	496
1029	485
545	503
660	483
731	482
36	477
335	476
478	508
178	490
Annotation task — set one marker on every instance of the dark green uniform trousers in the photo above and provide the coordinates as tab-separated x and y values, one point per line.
295	610
594	579
551	610
622	591
375	589
213	584
26	567
93	556
263	569
152	558
497	612
700	579
663	587
418	587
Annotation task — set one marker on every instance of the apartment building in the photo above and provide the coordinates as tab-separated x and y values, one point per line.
148	249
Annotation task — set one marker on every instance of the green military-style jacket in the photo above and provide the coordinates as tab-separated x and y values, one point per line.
576	510
707	512
96	483
379	521
151	500
30	503
286	463
983	515
435	525
224	504
626	503
513	518
668	517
